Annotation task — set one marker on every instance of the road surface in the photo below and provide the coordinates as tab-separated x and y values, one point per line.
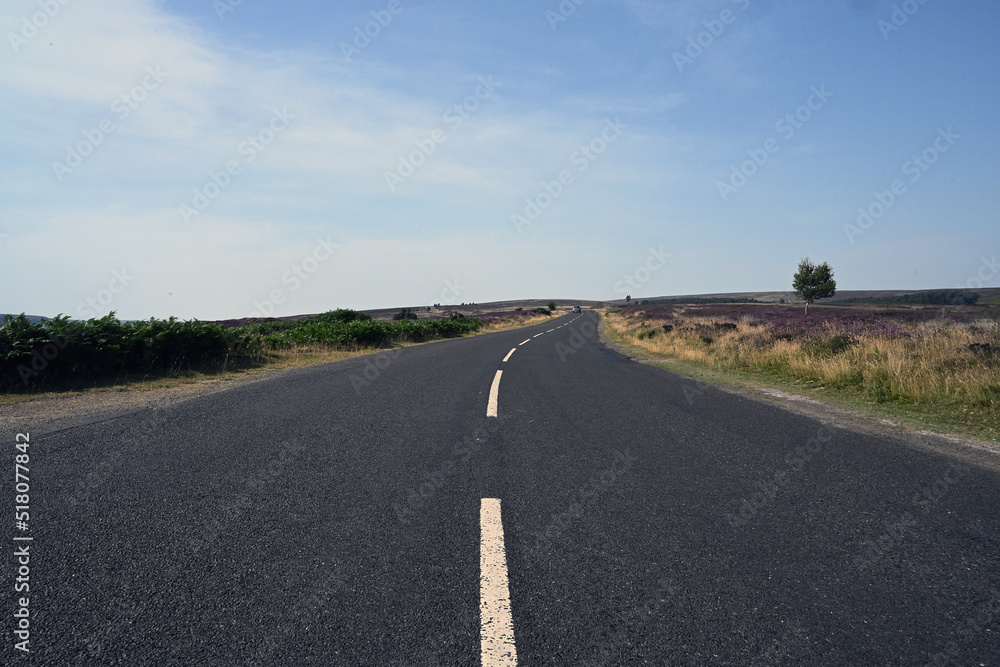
528	493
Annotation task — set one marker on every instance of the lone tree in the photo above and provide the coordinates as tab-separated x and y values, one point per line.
813	282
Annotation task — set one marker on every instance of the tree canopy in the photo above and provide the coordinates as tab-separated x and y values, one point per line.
812	282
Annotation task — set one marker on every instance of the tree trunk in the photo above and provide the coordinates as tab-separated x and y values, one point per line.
807	307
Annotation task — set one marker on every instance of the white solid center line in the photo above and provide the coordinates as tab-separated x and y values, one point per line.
512	351
523	342
496	625
491	408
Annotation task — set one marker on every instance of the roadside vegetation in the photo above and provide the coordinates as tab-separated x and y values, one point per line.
62	354
943	362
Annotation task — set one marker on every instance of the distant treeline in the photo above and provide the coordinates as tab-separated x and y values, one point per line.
943	297
697	300
61	351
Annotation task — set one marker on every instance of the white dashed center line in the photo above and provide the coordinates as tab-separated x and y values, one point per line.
496	625
537	335
525	341
491	407
512	351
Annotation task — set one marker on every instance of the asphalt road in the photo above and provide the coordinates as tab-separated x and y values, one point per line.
332	516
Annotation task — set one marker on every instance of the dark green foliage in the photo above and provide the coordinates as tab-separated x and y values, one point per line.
404	314
61	350
984	350
942	297
828	347
342	316
353	333
552	305
840	342
541	311
813	282
71	352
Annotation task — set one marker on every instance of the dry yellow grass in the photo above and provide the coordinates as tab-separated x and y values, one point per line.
514	324
936	362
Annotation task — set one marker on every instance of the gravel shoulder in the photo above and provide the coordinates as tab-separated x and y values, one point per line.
56	412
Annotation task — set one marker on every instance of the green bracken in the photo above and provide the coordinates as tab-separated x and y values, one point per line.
71	353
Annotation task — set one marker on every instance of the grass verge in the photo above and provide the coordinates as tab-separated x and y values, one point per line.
687	354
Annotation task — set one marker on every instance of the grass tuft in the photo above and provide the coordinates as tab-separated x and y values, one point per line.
948	365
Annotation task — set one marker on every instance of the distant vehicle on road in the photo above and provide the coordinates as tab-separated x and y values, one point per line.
576	309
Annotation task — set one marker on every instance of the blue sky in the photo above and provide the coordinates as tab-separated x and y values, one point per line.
222	159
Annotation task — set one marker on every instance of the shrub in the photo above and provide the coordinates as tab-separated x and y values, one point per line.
64	351
840	342
61	350
404	314
342	315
